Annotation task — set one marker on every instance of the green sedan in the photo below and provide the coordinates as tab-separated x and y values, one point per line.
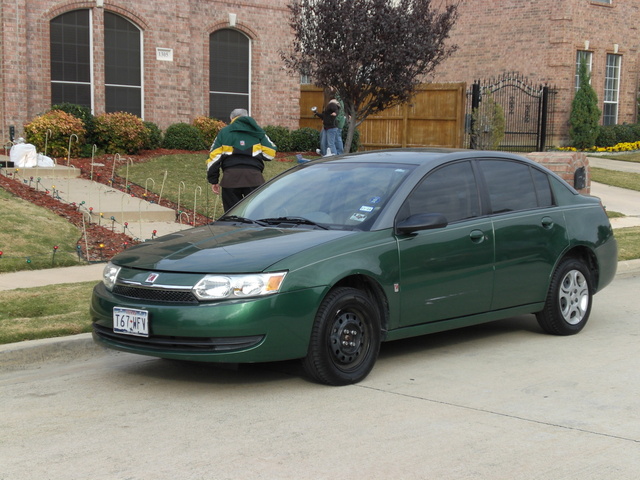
337	255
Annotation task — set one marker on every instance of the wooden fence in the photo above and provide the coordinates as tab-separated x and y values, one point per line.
435	117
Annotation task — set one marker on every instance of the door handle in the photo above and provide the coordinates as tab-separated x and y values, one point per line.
547	222
477	236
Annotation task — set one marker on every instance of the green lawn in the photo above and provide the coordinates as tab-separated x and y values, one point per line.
182	180
630	181
28	235
34	313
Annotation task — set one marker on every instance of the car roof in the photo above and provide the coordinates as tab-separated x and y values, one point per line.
422	156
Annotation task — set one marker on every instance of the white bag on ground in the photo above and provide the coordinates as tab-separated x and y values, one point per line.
44	161
23	155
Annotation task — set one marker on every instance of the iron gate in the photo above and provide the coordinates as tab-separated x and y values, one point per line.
509	114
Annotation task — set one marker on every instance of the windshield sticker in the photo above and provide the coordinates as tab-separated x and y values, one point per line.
375	200
366	208
358	217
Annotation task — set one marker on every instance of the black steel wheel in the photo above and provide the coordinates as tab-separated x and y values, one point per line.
345	339
568	303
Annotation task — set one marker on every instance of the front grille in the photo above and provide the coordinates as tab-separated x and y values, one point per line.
179	344
155	294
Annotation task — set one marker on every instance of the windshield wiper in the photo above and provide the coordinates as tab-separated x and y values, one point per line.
236	218
292	220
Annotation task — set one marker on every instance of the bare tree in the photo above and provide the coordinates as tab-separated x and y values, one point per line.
372	53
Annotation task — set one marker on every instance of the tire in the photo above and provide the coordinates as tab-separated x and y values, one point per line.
345	339
568	302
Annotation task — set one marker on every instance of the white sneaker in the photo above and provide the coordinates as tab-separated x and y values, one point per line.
318	151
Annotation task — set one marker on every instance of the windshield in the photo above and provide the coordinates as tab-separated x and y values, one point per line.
328	194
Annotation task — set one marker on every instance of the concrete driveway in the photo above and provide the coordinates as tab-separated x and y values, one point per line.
499	401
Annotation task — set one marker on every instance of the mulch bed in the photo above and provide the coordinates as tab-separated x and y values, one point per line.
102	242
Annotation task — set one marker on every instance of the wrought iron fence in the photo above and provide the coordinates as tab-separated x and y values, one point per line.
509	113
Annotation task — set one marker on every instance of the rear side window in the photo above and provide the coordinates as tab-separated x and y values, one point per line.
515	186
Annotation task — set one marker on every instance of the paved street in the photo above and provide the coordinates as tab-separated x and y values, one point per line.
499	401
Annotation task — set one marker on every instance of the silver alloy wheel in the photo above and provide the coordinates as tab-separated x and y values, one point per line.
573	297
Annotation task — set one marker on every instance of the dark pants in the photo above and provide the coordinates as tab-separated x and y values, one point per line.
231	196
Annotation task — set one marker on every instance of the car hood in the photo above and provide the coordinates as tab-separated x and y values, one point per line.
220	248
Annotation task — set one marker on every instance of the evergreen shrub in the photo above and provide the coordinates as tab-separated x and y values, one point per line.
183	136
281	136
305	140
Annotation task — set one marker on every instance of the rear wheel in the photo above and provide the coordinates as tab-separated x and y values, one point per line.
568	303
345	339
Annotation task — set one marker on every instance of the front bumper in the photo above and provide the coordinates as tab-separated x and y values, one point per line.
262	329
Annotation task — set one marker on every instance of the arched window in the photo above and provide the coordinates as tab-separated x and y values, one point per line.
229	73
71	72
122	65
72	78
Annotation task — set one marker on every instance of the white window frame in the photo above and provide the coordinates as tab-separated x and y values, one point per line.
612	87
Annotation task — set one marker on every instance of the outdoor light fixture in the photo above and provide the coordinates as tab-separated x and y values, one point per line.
232	19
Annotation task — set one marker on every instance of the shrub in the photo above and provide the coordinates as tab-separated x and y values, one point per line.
51	133
182	136
83	113
488	125
585	113
88	120
624	133
281	136
305	140
120	132
154	136
606	137
209	128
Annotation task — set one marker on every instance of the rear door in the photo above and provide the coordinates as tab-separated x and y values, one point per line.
529	231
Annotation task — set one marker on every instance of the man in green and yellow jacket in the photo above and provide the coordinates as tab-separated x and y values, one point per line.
239	151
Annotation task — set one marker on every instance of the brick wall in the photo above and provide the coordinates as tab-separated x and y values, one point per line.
539	40
565	165
173	91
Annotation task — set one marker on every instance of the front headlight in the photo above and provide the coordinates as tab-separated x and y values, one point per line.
109	275
216	287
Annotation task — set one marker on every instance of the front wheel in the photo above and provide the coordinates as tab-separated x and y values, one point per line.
345	339
568	303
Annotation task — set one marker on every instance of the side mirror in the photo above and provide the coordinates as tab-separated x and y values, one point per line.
421	221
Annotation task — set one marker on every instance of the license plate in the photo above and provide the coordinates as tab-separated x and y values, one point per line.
131	321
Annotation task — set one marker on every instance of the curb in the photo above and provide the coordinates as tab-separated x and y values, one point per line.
22	355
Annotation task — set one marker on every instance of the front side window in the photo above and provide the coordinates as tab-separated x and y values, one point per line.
451	191
515	186
123	65
70	38
611	90
229	73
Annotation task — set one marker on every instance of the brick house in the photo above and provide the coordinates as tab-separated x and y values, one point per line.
170	61
164	60
543	40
